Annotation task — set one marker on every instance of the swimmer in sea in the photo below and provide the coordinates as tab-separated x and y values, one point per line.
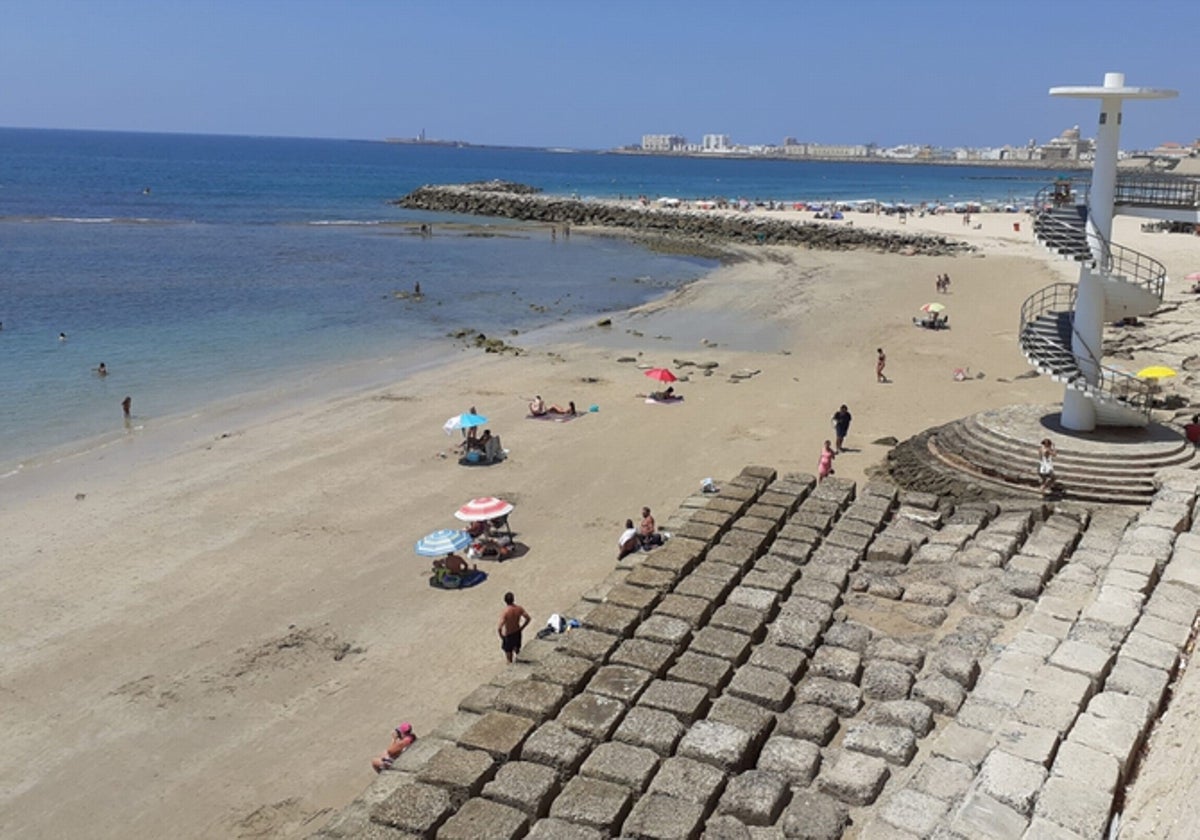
102	370
62	336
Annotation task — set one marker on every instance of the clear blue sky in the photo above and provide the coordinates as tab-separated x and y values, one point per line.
598	73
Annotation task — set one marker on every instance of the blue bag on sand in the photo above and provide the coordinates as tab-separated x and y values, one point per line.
594	408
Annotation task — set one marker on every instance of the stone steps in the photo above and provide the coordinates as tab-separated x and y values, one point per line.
808	657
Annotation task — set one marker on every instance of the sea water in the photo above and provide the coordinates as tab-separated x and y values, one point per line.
201	268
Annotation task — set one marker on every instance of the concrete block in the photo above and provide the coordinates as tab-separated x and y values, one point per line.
571	672
725	827
663	628
981	817
656	817
612	619
940	693
794	631
689	780
954	663
908	714
814	816
524	785
707	671
1031	743
836	663
498	734
685	701
556	747
1046	710
720	744
791	759
1074	805
943	778
588	644
651	728
482	819
1144	648
1118	738
1127	707
913	811
536	700
884	679
843	698
739	619
1130	677
755	797
416	809
885	647
852	778
756	721
654	657
620	682
809	722
1011	780
962	744
461	772
982	715
729	645
695	611
769	689
1001	689
1087	766
591	715
894	744
790	662
591	802
555	829
707	588
622	764
1041	828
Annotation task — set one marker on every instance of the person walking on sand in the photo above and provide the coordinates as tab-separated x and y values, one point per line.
1046	453
513	619
825	465
880	363
841	426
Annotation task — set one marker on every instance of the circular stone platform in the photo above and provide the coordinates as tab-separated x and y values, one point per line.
995	452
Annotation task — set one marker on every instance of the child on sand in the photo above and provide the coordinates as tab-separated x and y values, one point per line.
402	738
825	465
880	362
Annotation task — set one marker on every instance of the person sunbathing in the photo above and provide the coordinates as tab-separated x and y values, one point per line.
537	406
402	738
663	396
558	409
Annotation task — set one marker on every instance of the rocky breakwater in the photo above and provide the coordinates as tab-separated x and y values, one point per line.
519	202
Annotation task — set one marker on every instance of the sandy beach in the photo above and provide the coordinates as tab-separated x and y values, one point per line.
217	640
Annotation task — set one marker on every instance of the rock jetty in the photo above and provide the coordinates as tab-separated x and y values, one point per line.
514	201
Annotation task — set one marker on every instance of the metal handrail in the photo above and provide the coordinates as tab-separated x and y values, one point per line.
1139	268
1111	383
1158	190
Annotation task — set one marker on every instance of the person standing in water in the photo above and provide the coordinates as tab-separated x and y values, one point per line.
127	408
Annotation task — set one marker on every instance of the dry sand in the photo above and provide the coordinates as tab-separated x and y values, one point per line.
217	640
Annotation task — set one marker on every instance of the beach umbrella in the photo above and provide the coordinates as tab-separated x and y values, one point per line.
1194	276
480	510
443	542
463	421
661	374
1155	372
933	307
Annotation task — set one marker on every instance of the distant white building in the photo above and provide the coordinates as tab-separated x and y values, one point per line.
716	143
663	142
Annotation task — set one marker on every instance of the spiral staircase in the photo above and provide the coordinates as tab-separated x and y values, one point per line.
1133	286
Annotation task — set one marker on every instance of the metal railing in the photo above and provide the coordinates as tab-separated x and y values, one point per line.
1111	385
1061	234
1167	191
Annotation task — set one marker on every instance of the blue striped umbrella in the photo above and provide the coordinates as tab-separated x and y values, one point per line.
443	542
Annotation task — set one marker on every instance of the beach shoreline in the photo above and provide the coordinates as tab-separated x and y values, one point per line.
200	619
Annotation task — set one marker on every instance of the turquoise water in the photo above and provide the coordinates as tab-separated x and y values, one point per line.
200	268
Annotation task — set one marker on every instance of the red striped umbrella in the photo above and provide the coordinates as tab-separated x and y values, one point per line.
478	510
661	374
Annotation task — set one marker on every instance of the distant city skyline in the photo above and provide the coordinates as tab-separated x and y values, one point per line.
596	75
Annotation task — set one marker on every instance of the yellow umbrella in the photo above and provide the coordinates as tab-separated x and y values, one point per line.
1155	372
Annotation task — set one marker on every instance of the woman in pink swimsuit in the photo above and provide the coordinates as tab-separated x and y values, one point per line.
825	465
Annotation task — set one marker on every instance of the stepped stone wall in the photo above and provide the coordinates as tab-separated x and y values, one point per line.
749	228
809	660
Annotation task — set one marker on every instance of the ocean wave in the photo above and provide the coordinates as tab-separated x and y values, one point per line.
90	220
348	222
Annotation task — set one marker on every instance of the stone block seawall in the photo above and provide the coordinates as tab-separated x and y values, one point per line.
705	225
821	661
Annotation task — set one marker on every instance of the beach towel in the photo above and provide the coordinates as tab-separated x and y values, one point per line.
668	401
554	418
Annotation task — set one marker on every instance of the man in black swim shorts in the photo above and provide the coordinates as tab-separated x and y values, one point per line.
513	619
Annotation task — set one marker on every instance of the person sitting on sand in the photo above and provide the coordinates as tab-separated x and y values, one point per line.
402	738
480	442
663	396
1192	430
628	542
648	534
450	564
537	406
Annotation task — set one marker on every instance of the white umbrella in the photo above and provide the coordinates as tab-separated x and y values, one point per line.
482	509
